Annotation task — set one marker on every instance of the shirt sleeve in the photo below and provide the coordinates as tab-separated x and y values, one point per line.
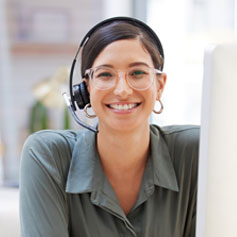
193	144
191	222
43	172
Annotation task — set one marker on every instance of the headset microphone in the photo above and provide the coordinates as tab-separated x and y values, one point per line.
70	107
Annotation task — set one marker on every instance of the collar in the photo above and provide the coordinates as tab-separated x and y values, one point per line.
86	172
163	169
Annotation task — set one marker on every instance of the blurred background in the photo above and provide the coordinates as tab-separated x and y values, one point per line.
38	40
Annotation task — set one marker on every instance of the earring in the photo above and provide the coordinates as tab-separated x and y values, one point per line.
161	108
86	112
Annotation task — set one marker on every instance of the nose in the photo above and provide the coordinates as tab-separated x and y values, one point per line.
122	88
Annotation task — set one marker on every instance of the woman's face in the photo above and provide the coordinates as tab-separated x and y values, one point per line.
121	107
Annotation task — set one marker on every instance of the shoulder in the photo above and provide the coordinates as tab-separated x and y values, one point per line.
49	151
52	135
179	135
51	142
51	139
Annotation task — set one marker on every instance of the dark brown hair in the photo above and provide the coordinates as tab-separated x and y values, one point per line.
111	32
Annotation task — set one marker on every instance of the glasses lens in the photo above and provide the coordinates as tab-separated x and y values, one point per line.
140	78
103	78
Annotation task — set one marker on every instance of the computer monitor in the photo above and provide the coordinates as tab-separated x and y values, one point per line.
217	180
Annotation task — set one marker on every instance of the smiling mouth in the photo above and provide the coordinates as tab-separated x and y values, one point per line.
123	107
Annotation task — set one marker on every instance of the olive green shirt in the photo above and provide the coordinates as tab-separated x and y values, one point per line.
64	191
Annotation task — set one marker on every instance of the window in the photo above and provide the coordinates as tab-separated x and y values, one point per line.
186	28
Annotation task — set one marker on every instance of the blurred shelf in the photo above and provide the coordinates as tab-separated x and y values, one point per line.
41	48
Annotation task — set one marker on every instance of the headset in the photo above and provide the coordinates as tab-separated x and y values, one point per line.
79	95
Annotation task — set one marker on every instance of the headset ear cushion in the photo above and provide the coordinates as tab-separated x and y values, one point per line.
84	93
81	95
77	96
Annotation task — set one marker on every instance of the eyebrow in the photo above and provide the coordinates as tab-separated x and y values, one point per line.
130	65
138	64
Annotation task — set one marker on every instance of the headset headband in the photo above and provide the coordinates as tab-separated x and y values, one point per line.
129	20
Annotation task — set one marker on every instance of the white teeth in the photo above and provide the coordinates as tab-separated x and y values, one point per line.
122	107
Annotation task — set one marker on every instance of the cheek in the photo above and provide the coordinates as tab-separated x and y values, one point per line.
95	98
153	99
154	90
150	97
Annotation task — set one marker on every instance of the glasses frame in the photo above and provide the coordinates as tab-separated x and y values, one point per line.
155	71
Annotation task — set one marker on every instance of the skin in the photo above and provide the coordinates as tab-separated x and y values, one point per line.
124	136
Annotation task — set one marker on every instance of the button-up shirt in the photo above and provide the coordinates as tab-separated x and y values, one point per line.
65	192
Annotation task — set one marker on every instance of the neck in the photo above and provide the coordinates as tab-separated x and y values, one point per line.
123	151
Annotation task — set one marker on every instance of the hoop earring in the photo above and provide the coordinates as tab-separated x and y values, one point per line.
161	108
86	112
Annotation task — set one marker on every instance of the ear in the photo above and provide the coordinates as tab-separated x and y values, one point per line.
161	81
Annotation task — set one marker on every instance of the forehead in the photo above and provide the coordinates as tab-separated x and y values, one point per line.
122	52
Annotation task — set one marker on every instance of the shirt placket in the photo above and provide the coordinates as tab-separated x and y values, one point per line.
106	199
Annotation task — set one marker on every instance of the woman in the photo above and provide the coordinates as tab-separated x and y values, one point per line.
129	179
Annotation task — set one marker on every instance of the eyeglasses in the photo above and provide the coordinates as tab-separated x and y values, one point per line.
139	77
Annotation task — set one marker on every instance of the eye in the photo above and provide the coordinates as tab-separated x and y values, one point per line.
137	73
104	74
